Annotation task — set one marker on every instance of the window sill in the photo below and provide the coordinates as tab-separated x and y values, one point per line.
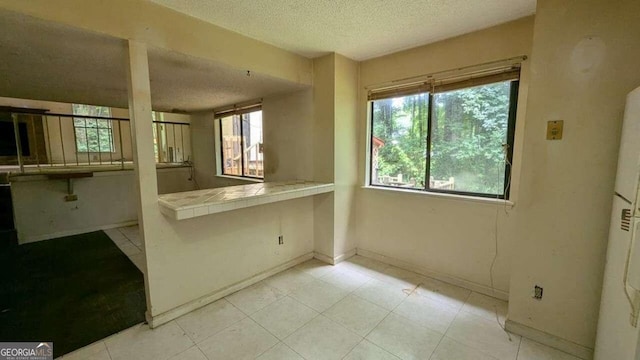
255	180
466	198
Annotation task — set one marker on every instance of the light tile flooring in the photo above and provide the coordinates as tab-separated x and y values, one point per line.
128	240
359	309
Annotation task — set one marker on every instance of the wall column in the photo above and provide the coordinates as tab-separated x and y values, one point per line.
335	155
139	89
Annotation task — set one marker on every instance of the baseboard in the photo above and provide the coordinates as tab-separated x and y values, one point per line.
479	288
165	317
334	260
35	238
324	258
345	256
553	341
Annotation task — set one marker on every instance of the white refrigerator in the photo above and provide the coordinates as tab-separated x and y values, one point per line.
618	336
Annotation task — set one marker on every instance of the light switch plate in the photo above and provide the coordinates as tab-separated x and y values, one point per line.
554	129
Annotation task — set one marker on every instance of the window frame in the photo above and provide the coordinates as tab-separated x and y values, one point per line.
84	127
240	115
510	140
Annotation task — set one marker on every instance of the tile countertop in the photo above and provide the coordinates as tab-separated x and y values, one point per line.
189	204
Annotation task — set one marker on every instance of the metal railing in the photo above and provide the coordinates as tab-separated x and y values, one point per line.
58	141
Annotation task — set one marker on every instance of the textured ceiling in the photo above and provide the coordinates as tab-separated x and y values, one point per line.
47	61
359	29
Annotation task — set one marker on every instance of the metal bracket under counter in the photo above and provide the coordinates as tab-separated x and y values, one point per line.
190	204
69	176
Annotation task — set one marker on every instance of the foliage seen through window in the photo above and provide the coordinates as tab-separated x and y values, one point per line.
463	131
93	134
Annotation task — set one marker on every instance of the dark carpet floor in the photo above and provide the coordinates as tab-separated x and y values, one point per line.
73	291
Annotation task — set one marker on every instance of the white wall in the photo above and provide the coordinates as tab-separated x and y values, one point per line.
584	62
447	236
105	200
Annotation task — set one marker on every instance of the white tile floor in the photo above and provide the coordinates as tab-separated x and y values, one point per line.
359	309
128	240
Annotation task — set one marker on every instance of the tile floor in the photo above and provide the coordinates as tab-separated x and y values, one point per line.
128	240
359	309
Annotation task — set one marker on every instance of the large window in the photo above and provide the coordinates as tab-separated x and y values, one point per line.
92	134
241	144
453	138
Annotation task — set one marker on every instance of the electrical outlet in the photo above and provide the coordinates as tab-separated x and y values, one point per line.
280	240
537	292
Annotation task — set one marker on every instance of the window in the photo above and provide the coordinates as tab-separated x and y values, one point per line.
454	137
241	144
93	134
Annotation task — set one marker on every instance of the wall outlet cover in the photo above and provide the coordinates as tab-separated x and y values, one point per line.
554	129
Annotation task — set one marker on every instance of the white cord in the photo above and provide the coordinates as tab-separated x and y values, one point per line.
505	147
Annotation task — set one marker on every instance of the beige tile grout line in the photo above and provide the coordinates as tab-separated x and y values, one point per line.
274	335
364	338
481	318
106	348
321	314
518	352
457	314
454	319
221	330
126	237
183	330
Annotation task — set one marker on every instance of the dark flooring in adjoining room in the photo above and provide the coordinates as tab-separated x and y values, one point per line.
73	291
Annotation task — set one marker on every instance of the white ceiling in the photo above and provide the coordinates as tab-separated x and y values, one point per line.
47	61
359	29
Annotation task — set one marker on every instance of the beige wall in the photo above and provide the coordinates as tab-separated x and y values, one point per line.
288	130
443	235
555	235
197	257
105	200
204	151
584	62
